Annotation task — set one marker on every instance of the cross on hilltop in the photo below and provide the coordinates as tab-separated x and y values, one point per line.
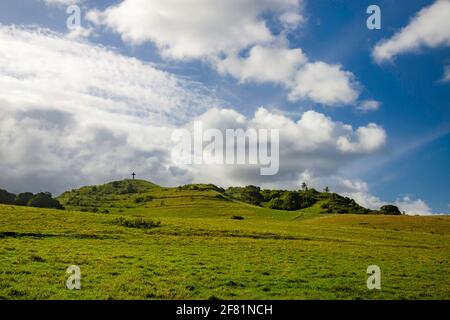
133	174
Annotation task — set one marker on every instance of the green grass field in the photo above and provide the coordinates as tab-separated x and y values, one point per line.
201	252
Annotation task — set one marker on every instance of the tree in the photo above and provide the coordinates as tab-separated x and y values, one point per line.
327	190
22	199
390	210
291	201
7	197
252	195
276	203
304	186
44	200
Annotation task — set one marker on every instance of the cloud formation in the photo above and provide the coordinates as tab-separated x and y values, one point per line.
413	206
197	28
430	28
237	39
69	107
73	113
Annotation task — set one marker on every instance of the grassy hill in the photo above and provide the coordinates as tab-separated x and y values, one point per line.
139	194
199	242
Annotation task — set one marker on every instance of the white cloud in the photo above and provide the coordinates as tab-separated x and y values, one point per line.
413	207
197	28
368	139
309	144
233	36
326	84
79	33
359	191
41	68
263	64
319	81
429	28
369	105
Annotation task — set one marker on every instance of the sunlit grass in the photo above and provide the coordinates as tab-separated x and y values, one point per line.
199	251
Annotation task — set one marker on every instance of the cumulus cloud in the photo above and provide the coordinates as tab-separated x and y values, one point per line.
318	81
429	28
359	191
277	65
310	144
326	84
235	38
368	139
79	32
196	28
413	206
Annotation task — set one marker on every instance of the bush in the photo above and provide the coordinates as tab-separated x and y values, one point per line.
143	199
390	210
44	200
138	223
237	218
139	200
249	194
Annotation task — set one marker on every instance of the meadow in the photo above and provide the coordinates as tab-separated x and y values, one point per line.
169	243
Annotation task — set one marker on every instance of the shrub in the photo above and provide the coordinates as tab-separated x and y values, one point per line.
237	218
390	210
138	223
139	200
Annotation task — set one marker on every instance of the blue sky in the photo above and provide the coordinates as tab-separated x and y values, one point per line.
410	167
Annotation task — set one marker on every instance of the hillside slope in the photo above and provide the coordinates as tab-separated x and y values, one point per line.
115	197
198	252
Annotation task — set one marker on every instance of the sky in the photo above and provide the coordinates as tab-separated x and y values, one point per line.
363	111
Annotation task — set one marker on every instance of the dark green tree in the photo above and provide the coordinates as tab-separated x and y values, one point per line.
22	199
304	186
44	200
7	197
390	210
291	201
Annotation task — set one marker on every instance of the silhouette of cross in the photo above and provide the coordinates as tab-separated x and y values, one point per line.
133	174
